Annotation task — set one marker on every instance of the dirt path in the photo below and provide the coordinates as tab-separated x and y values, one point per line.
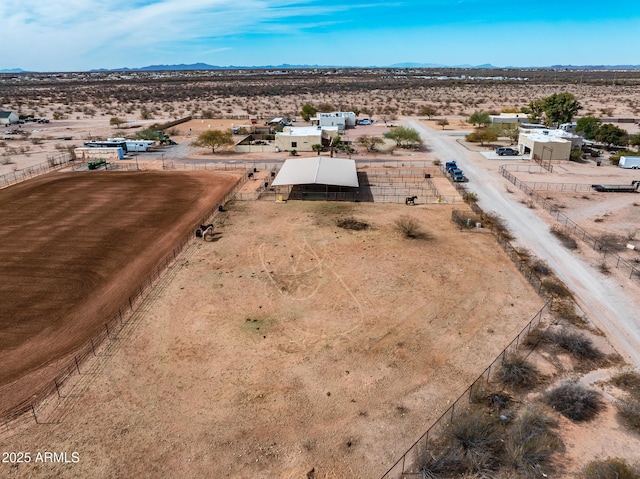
609	305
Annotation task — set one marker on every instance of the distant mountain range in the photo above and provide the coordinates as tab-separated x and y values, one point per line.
284	66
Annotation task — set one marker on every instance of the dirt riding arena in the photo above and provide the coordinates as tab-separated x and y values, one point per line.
74	246
291	345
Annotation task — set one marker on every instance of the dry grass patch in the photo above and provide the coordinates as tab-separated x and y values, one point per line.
410	228
351	223
564	236
575	401
610	468
518	373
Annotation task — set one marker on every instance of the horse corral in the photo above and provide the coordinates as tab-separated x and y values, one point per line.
291	344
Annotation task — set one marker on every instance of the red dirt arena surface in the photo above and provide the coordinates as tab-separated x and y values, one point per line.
74	247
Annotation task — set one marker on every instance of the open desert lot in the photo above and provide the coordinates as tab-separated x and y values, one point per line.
290	344
74	247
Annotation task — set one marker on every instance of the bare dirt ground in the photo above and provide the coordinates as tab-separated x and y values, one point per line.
290	345
157	388
75	246
609	299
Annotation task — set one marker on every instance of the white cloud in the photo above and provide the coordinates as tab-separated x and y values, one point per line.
73	32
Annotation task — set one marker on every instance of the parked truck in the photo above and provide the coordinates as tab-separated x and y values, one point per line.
629	162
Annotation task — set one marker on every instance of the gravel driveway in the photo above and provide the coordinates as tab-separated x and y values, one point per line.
612	306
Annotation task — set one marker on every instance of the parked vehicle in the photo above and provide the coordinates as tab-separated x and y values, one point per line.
450	165
632	188
455	171
458	177
365	121
632	162
505	150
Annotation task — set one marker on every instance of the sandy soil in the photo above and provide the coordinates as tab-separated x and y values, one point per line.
290	344
93	238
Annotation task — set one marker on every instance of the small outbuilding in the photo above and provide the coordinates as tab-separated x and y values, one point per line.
303	138
547	145
509	120
8	118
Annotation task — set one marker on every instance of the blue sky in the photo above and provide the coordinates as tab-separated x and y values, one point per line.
73	35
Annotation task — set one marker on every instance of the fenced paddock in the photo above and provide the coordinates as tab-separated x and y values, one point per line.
572	226
105	329
406	466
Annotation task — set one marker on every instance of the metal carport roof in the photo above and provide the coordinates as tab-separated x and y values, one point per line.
319	170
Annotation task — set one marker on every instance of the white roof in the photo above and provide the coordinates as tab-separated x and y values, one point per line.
549	135
318	170
306	130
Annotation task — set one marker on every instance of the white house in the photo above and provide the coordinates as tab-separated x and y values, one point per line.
548	144
303	138
8	118
509	120
341	119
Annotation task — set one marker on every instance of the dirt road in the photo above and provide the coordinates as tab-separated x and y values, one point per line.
610	305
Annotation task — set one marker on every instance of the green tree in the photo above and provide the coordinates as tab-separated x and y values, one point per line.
635	141
369	142
480	118
213	139
589	126
534	111
115	121
428	111
482	135
317	148
404	137
611	135
150	134
443	122
511	132
561	108
307	111
326	107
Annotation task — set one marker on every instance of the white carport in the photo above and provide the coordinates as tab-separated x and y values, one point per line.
319	178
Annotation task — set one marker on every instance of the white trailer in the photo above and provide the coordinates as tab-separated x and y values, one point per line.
629	162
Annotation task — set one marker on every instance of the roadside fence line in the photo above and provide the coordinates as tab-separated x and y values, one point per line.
596	244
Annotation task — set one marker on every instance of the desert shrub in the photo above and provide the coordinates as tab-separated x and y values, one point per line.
517	372
478	435
564	236
410	228
578	345
540	267
612	242
575	401
566	309
629	413
470	197
535	337
610	468
629	381
556	287
351	223
531	442
499	225
481	394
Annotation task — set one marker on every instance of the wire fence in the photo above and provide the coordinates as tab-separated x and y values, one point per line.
524	167
54	162
573	228
538	186
408	465
27	411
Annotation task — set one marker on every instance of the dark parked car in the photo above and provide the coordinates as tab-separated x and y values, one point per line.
505	150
